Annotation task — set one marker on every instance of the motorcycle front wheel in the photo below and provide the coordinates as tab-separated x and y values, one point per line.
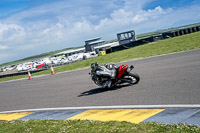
132	78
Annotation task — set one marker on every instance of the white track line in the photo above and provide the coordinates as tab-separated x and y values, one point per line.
109	107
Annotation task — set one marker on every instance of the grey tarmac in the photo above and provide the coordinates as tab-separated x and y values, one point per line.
165	80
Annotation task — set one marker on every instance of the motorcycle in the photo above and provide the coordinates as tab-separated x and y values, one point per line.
110	76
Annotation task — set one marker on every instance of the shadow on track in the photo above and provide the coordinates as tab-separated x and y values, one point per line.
101	90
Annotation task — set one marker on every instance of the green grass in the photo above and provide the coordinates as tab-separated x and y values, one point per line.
86	126
176	44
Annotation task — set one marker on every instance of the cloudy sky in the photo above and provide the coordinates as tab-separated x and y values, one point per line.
30	27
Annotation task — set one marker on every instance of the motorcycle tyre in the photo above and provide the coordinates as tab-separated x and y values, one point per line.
135	76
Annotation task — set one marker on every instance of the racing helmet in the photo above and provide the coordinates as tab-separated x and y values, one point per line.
94	66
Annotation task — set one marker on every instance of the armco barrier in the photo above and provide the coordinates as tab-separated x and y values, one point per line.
23	72
167	35
198	28
32	71
153	38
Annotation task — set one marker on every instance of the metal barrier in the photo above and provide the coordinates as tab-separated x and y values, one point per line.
22	73
153	38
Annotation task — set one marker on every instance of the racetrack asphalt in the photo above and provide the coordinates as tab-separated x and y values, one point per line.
166	79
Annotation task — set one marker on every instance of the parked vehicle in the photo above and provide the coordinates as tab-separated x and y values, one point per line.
8	68
109	75
76	57
64	60
55	61
39	63
39	66
46	61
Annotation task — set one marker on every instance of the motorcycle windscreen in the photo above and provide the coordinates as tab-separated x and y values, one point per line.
121	70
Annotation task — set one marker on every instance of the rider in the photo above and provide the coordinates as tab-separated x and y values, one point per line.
107	70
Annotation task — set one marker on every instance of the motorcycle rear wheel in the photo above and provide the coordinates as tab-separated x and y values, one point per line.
133	78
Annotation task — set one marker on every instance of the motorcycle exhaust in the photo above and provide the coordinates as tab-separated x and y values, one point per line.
125	81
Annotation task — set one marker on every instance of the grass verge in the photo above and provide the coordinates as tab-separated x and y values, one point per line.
176	44
86	126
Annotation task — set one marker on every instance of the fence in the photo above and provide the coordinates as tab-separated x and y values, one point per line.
22	72
153	38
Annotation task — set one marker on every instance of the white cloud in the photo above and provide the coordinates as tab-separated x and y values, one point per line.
68	23
26	47
2	47
123	18
10	32
139	18
150	14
